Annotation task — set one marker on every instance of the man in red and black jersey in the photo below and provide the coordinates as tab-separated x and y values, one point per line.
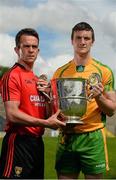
22	153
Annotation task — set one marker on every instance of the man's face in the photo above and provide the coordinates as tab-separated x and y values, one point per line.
82	42
28	49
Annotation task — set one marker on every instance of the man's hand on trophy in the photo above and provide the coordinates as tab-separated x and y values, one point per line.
54	122
44	86
62	117
96	91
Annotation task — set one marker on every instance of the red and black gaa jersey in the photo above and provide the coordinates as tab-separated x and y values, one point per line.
19	84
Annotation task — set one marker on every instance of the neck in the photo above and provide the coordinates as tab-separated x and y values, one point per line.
81	59
28	67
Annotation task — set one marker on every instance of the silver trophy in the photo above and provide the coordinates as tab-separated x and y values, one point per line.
69	95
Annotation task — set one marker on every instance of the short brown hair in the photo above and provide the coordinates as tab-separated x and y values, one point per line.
83	26
26	31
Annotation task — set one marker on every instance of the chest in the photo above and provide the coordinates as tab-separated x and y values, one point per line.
85	73
28	84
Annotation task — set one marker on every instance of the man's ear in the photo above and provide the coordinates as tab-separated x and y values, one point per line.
38	50
16	49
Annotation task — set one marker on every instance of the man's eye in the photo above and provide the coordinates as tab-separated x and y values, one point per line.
87	38
26	46
78	37
34	46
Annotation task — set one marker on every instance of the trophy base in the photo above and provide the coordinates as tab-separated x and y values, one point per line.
74	120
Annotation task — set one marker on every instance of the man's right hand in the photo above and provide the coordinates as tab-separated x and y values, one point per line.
53	122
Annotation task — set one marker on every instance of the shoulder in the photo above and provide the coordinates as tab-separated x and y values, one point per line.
102	66
103	69
59	71
12	74
106	73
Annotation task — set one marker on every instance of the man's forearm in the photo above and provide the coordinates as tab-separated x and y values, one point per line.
20	117
108	106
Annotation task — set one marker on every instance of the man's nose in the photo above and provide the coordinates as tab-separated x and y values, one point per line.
82	41
30	48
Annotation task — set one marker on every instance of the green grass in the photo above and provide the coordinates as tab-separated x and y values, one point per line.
111	143
50	150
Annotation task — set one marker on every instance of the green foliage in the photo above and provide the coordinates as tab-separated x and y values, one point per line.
3	69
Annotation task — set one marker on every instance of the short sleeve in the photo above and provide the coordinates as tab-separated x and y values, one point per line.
11	89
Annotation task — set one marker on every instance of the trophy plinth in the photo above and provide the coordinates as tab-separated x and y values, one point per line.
74	120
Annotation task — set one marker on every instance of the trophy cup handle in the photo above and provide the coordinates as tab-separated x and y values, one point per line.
44	77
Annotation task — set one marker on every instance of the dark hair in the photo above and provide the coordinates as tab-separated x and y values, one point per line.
82	26
26	31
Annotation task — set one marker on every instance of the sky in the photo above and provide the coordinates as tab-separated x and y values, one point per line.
54	20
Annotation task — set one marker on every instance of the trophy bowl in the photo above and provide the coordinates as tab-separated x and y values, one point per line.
69	95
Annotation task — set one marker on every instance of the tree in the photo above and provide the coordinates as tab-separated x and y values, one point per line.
3	69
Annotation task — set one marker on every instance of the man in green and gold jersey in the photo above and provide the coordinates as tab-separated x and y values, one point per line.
85	150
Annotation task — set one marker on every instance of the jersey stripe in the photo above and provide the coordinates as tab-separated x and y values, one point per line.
112	75
5	93
6	96
9	157
64	69
105	148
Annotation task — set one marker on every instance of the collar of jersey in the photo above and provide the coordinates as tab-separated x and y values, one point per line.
20	65
89	61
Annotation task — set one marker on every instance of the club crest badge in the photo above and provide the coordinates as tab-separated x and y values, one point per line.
18	171
94	79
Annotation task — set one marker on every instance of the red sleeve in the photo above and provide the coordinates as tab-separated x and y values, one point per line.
11	90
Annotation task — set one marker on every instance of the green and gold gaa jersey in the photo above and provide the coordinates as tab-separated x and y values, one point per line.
93	118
